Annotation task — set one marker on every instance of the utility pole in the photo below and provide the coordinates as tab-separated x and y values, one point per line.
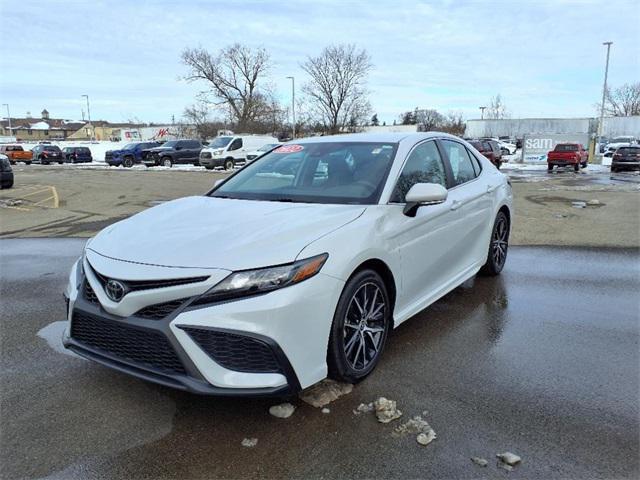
8	115
89	115
604	89
293	104
482	109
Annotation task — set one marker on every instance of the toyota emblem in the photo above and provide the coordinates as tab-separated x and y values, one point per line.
115	290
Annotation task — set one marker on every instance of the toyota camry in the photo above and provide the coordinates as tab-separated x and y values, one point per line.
293	269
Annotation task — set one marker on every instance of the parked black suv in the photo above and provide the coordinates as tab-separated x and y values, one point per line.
174	152
46	154
626	158
6	173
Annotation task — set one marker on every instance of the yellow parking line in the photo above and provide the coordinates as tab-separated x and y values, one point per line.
36	192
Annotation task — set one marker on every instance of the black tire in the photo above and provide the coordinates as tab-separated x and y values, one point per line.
8	184
576	167
166	162
365	334
127	162
27	163
549	168
614	169
208	167
228	164
498	246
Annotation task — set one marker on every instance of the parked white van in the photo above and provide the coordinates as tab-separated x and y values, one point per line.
227	150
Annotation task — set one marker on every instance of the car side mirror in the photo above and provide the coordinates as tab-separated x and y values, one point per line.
422	194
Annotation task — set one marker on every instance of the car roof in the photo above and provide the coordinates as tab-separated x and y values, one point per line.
391	137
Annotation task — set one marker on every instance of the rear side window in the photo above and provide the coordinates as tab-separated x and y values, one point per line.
461	164
477	166
424	165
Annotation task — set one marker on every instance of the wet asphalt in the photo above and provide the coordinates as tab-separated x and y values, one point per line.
542	361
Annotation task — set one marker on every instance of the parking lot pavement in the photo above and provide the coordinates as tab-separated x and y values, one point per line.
542	361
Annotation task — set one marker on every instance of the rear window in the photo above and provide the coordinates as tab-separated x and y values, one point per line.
566	148
51	148
629	150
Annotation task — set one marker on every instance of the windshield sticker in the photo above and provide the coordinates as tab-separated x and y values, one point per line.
289	149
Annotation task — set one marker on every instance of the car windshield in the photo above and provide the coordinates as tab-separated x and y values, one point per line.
220	142
267	147
170	144
130	146
566	148
335	172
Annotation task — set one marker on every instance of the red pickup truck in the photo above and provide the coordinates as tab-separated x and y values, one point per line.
567	154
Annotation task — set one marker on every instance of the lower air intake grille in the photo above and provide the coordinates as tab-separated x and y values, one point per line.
236	352
145	347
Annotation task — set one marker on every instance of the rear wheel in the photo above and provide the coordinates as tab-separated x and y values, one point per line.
576	167
584	165
498	246
360	328
549	168
128	162
228	164
166	162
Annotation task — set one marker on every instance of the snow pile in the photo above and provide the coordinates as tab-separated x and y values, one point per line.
325	392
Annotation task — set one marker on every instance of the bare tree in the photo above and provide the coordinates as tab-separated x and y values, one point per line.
337	85
198	116
623	101
428	119
497	108
233	75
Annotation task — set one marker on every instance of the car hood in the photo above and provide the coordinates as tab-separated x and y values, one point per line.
208	232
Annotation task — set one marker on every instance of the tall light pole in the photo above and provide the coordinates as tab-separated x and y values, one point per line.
89	115
8	115
482	109
293	104
604	88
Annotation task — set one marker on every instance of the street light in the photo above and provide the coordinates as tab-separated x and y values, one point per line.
604	88
482	109
8	115
293	104
89	114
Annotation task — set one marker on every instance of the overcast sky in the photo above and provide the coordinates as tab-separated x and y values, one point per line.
544	57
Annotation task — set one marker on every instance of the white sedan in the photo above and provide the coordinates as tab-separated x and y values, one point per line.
292	269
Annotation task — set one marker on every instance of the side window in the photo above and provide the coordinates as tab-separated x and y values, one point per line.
477	166
424	165
461	165
236	144
486	146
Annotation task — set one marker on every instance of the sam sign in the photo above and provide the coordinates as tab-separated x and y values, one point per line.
536	145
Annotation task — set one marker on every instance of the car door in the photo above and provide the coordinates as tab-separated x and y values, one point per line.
472	196
426	243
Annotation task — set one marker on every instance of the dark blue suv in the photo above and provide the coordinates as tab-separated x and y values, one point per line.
130	154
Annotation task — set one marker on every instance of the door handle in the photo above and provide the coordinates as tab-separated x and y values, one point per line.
455	205
490	188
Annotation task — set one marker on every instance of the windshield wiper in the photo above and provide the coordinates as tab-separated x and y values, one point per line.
282	199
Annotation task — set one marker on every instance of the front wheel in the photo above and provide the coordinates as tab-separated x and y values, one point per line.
498	246
360	328
228	164
128	162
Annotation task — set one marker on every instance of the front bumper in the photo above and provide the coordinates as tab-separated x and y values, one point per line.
211	162
288	327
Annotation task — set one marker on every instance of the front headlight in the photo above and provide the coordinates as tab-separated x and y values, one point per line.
217	152
253	282
80	270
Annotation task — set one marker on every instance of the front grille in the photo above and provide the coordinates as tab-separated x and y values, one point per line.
159	310
205	154
133	285
236	352
141	346
89	294
108	156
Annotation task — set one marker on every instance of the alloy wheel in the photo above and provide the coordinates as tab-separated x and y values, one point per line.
500	242
364	327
